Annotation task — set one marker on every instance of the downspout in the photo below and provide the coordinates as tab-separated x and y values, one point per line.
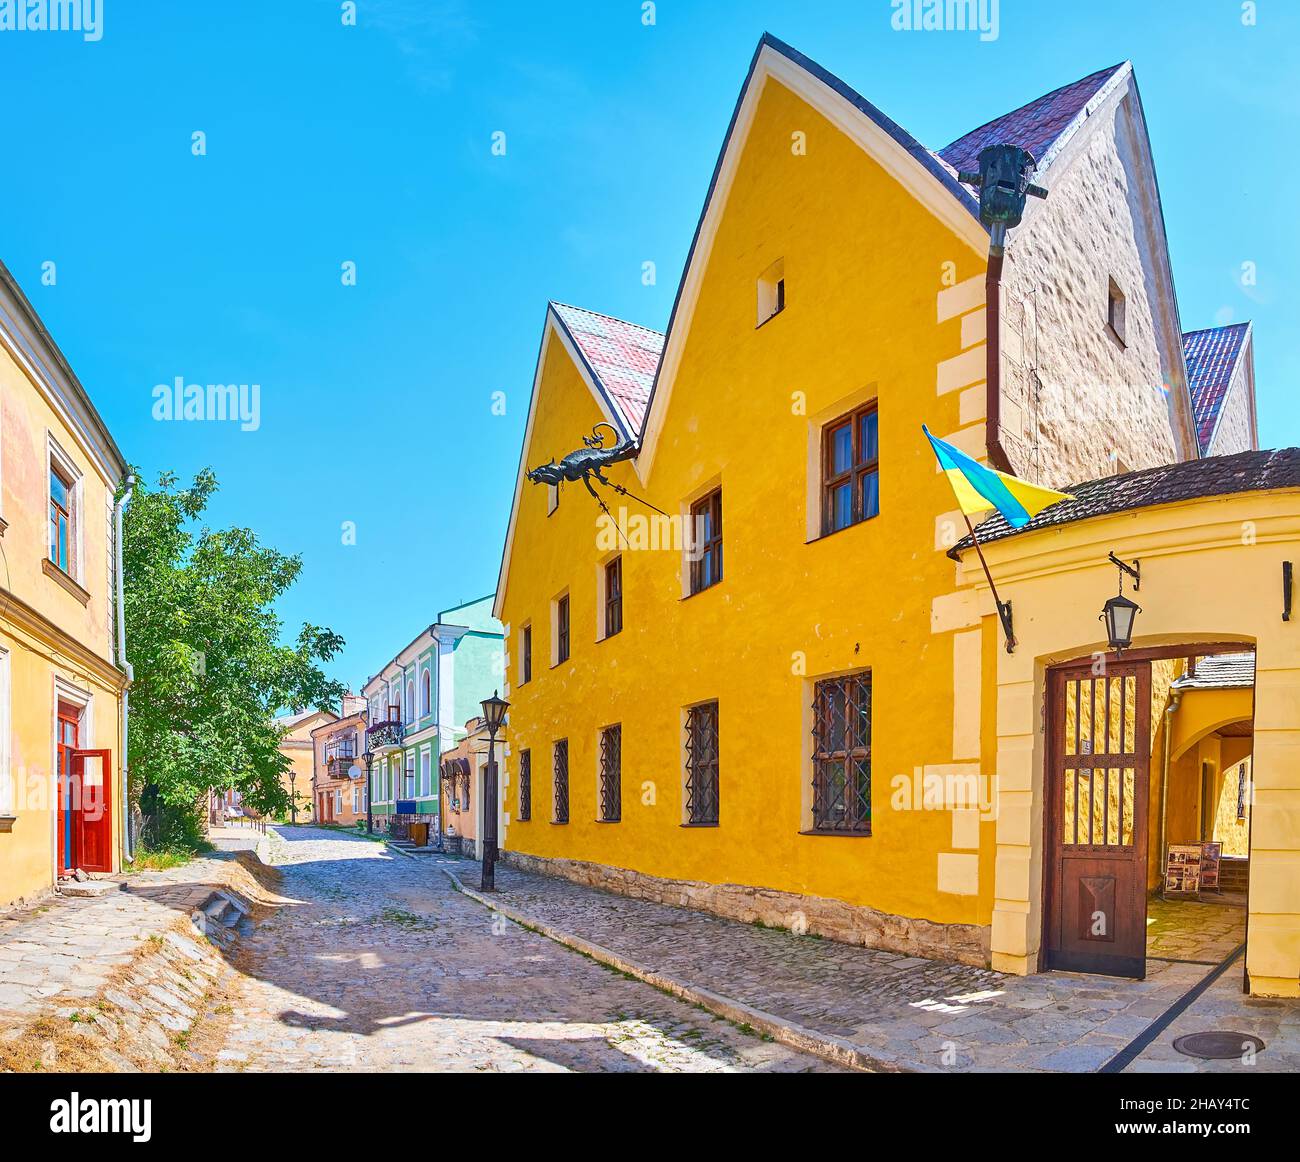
118	509
993	349
1175	698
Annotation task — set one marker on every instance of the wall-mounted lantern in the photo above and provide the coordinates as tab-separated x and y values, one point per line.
1120	612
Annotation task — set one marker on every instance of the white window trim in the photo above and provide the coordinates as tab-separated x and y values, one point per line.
424	785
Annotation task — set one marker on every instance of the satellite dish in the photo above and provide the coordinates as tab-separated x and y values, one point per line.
354	771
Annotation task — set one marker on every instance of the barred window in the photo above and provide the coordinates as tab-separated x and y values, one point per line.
562	781
842	754
525	785
611	774
702	763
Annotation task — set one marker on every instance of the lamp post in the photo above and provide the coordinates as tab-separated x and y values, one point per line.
494	713
369	756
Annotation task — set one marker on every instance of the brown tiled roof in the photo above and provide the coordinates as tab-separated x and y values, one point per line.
1220	672
1168	484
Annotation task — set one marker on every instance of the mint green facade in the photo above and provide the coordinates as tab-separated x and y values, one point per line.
436	685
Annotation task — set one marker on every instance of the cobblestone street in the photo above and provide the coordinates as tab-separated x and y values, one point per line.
378	963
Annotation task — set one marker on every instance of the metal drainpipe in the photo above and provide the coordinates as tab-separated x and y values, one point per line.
1175	698
993	348
118	509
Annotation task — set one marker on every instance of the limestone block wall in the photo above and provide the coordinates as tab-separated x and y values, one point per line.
1078	402
1235	432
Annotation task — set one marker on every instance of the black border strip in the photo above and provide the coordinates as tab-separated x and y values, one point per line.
1134	1049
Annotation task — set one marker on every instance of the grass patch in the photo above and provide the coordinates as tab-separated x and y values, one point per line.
164	858
405	919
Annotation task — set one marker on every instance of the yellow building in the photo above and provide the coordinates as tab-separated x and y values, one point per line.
299	747
787	698
62	783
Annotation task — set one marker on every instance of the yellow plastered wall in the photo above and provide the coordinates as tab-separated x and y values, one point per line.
56	644
883	302
1211	572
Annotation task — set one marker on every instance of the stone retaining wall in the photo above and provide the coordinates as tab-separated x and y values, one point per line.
814	915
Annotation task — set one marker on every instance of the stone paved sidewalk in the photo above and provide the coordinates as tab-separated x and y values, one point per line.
60	949
905	1012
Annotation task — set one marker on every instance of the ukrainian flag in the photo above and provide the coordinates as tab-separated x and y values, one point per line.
981	489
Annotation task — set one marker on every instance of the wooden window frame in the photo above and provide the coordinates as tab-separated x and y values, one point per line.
857	472
563	630
614	597
61	516
611	774
703	767
526	652
855	752
560	781
525	786
711	505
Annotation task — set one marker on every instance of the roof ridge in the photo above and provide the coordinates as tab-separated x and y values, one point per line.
1110	71
604	315
1221	327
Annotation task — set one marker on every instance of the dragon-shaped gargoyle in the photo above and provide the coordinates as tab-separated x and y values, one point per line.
587	462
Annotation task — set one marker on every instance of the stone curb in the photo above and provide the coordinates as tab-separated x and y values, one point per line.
824	1045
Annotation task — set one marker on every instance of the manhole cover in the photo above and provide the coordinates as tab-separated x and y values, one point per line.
1219	1045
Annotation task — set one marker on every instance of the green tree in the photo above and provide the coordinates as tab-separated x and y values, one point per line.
205	643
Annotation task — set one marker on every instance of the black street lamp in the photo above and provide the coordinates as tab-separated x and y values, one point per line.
494	714
369	756
1119	611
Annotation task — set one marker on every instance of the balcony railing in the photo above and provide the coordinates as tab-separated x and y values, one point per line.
385	735
338	764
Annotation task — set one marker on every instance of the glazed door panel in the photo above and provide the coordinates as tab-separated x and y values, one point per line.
1098	778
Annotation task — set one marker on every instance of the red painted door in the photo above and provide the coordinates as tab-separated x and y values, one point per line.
93	772
67	731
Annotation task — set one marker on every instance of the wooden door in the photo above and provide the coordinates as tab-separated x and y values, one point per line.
1098	779
92	772
67	732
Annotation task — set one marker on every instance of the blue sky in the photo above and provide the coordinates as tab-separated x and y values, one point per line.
372	144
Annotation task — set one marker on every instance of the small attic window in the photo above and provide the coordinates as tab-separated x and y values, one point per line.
1115	311
771	291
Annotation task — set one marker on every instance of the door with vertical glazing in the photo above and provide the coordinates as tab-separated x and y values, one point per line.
1098	781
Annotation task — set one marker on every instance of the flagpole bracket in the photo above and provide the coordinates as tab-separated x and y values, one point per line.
1004	616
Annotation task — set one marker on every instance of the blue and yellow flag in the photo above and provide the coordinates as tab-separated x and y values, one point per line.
981	489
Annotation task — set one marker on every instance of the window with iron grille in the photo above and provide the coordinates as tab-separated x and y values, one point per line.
1242	785
525	785
611	774
706	533
851	469
842	754
526	670
562	781
614	597
702	763
562	630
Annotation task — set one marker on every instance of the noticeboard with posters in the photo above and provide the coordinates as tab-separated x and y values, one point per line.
1211	854
1183	869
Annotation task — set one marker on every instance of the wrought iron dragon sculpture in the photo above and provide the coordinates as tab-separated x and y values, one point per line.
588	463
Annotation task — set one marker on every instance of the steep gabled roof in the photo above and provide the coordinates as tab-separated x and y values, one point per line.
1212	356
1043	126
621	357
